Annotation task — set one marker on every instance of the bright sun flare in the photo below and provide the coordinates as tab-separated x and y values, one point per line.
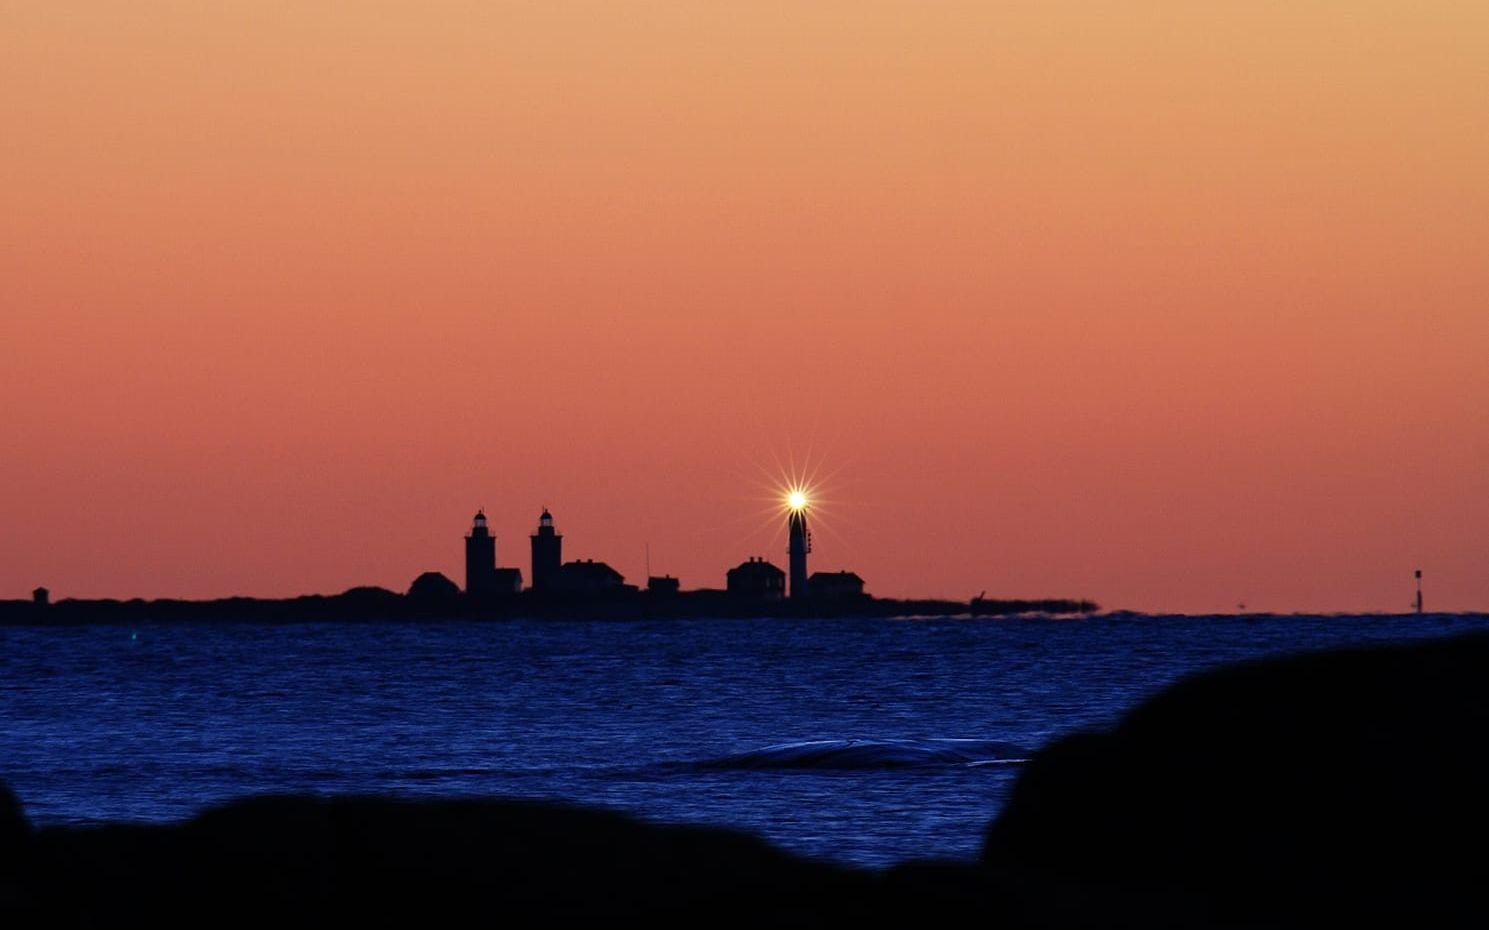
796	500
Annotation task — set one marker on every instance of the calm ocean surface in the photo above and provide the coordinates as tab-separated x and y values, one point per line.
675	721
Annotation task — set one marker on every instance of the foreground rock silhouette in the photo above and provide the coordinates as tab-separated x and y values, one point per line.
1316	790
1313	791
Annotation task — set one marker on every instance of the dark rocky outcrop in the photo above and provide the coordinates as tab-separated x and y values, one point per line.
1321	790
15	841
332	862
1314	790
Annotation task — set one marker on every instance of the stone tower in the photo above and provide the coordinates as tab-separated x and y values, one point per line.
548	547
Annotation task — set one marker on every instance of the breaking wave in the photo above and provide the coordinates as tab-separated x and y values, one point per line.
850	754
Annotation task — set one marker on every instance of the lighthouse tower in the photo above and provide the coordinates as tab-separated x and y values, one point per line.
548	547
799	544
480	556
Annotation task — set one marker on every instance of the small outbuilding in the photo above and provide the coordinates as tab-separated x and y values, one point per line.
506	580
662	584
589	577
756	579
835	585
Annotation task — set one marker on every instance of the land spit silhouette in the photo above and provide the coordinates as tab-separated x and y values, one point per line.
582	588
1326	789
438	602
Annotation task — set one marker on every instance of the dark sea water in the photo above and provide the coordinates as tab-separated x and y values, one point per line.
914	727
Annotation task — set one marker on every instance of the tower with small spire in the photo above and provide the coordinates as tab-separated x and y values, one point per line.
548	547
480	556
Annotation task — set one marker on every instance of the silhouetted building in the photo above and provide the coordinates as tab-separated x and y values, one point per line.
588	577
433	589
480	557
41	597
662	584
548	547
756	578
506	580
825	585
799	545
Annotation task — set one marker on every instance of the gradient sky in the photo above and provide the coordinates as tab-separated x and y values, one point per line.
1170	305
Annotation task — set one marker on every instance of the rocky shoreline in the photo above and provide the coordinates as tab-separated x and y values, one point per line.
1317	790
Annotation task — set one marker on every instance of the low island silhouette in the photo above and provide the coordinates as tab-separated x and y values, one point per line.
577	589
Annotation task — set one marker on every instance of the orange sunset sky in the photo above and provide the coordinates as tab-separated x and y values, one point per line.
1170	305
